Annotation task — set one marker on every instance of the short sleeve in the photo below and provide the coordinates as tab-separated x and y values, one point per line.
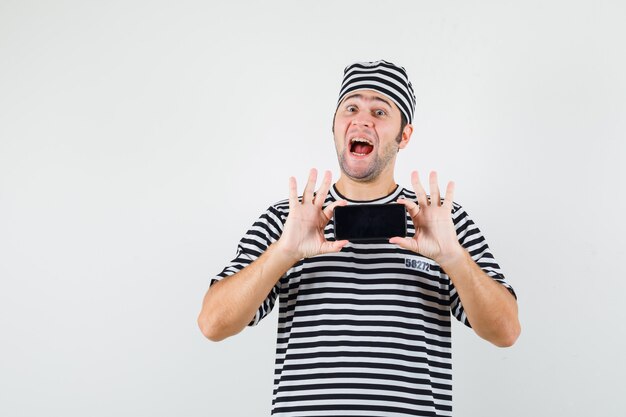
471	238
265	231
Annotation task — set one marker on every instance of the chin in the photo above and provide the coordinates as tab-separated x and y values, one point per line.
366	172
360	175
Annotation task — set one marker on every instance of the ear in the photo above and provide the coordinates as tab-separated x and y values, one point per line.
406	136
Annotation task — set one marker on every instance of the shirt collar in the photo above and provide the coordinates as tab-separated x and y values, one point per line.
392	197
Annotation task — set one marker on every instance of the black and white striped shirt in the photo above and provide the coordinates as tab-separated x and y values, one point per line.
366	331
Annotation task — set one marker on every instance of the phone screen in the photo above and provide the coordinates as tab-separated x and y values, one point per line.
370	222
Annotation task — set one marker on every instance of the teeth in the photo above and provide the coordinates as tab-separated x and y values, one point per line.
361	140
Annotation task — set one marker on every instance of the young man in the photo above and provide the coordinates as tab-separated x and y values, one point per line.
364	329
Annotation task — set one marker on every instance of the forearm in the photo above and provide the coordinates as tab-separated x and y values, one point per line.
230	304
491	309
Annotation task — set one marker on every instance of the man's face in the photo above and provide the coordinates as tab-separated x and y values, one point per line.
367	134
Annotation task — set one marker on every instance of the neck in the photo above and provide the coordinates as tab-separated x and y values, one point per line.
365	191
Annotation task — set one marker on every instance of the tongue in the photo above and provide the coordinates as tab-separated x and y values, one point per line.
362	148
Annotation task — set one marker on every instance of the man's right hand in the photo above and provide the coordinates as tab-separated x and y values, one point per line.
231	303
303	234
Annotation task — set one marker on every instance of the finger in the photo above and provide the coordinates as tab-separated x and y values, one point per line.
320	196
333	247
447	202
329	210
293	193
307	196
411	207
435	198
420	193
405	243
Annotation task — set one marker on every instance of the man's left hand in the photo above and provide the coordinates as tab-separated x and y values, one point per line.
435	235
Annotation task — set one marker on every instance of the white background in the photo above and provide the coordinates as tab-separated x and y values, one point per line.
140	139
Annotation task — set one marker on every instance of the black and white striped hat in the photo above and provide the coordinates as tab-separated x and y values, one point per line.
383	77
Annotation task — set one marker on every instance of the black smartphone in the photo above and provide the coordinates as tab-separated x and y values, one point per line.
369	222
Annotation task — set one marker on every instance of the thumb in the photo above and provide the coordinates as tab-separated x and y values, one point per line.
332	247
405	243
329	210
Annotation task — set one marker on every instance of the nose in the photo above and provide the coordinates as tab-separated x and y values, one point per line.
362	119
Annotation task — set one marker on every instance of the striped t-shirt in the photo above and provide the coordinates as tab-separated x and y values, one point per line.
366	331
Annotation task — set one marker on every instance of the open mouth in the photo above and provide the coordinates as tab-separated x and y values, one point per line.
361	146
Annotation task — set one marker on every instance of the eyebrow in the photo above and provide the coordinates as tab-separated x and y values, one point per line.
373	98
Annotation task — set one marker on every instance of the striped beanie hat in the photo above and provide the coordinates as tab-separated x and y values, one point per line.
383	77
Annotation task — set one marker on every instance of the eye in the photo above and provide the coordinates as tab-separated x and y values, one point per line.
351	108
380	112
